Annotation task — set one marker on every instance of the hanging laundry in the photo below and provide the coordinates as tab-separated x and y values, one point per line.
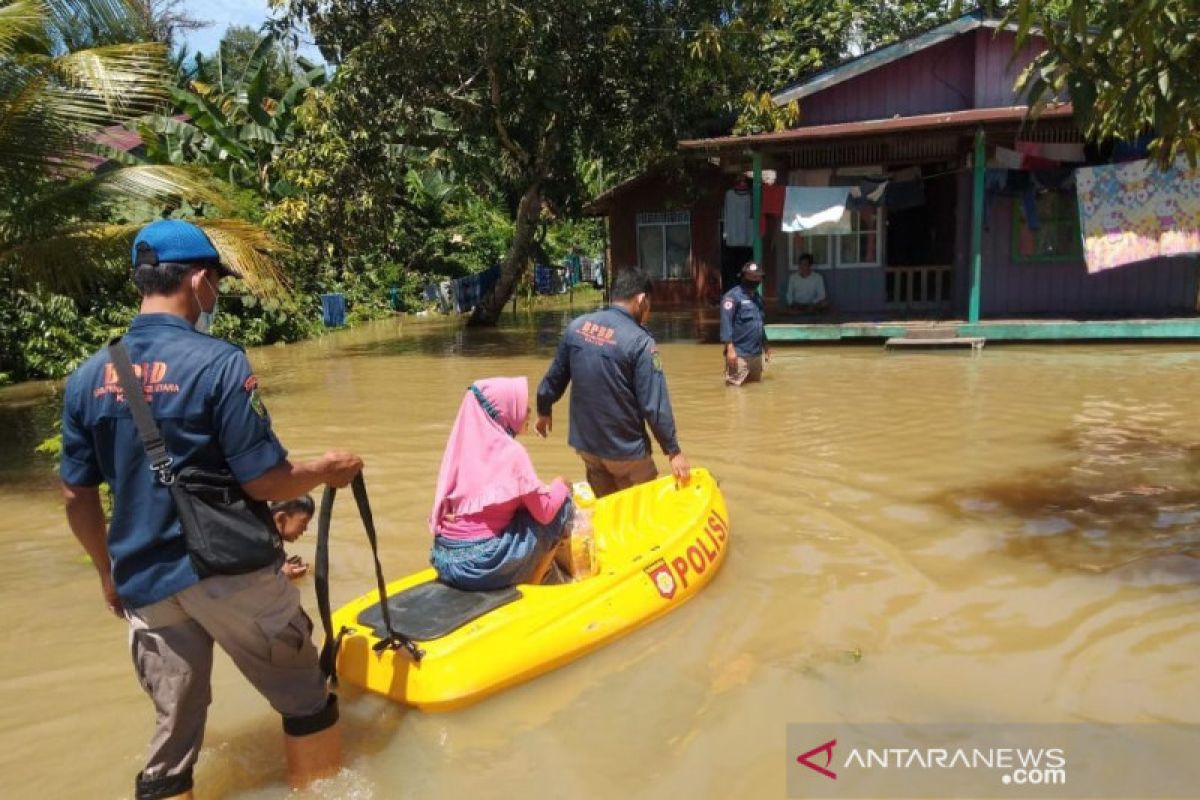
1006	159
1054	180
466	293
1131	151
806	207
867	194
739	231
446	298
1012	183
772	204
1050	151
772	199
1037	162
1135	211
901	195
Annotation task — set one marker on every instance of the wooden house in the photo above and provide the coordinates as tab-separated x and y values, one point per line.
929	113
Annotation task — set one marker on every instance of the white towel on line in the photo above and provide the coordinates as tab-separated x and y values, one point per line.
807	207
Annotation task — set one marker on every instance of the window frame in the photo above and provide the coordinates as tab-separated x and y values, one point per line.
664	220
1071	214
834	246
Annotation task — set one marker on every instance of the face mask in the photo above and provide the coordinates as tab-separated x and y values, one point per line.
204	322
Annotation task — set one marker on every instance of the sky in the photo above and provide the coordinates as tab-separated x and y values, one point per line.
222	14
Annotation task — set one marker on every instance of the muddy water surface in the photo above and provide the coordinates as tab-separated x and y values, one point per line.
916	537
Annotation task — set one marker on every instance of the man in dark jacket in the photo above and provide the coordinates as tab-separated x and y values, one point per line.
619	390
743	328
205	402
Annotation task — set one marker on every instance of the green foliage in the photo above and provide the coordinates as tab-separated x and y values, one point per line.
45	335
237	127
51	445
1127	67
250	320
368	214
584	237
520	99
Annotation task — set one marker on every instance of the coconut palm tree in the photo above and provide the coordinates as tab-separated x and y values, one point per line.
68	69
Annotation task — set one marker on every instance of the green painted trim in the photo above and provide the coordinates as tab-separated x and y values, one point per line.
1092	329
995	331
978	163
756	211
783	332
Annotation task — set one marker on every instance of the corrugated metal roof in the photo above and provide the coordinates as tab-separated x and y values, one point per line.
950	119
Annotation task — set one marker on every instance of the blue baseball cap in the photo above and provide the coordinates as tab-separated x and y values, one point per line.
176	241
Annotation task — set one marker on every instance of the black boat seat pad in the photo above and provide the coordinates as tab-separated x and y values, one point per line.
432	610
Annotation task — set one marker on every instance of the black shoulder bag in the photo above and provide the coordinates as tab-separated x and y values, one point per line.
226	531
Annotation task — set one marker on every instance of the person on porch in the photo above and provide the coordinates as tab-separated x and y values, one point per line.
806	289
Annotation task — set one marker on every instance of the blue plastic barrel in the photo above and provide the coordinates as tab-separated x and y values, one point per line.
333	310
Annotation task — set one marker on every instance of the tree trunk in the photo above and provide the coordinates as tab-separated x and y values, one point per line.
492	304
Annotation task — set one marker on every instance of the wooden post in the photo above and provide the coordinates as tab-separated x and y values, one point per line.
756	213
978	164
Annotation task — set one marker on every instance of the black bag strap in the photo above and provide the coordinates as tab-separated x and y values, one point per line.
156	448
394	639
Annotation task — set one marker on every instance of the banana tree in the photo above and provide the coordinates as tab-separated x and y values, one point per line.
237	133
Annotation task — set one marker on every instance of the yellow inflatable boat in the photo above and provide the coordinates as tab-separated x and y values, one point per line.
657	545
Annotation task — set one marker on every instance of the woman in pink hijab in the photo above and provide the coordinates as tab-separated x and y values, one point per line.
494	523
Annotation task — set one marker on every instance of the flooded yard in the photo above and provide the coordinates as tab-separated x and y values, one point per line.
919	537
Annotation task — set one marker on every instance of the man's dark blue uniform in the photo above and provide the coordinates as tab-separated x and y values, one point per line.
743	328
206	408
205	402
743	319
619	387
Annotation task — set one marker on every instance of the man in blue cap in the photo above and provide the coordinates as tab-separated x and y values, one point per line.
743	328
205	403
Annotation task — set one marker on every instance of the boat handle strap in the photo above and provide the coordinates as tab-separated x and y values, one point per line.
394	639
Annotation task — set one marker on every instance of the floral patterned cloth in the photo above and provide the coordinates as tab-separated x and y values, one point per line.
1135	212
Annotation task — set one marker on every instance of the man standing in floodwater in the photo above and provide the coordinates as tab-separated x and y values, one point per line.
619	390
205	403
743	328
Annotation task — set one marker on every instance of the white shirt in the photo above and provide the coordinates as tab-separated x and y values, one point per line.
739	227
803	291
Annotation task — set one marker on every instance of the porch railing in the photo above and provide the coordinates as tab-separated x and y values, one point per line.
918	288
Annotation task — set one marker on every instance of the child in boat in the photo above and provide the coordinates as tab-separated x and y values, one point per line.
291	520
494	523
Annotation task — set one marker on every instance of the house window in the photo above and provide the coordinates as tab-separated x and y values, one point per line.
862	247
1057	237
664	242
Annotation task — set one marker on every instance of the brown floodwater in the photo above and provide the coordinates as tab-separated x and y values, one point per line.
1007	537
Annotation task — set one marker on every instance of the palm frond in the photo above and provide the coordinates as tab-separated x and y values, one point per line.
158	182
250	250
78	24
104	84
21	20
43	214
72	258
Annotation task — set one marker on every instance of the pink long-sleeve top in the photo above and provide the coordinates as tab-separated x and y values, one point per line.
542	505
